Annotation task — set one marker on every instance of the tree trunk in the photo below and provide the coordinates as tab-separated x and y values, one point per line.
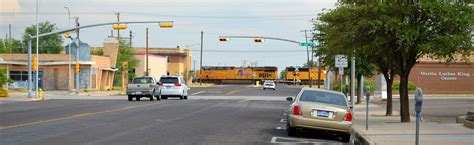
388	76
389	97
404	102
359	93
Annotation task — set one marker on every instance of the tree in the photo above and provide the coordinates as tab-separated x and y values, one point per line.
11	45
125	54
283	74
51	44
394	35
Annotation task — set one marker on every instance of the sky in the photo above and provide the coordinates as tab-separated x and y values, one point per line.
271	18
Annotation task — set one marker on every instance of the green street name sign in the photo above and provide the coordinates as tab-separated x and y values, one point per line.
309	44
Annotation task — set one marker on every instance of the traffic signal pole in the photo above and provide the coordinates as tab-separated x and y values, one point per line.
78	65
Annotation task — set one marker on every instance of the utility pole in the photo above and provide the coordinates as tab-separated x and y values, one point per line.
310	64
77	56
200	62
69	56
194	69
147	72
9	38
37	49
118	31
131	38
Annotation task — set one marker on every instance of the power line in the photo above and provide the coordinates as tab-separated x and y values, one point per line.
257	51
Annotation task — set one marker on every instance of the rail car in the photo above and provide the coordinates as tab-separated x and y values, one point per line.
300	75
231	74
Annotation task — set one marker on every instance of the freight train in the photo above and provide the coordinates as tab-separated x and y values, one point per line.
300	75
231	74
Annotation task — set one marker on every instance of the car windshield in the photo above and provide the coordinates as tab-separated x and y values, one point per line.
323	97
169	80
268	84
142	80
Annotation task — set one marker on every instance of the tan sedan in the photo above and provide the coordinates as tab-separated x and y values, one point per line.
321	110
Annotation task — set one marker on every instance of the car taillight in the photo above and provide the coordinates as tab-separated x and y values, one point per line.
296	110
348	116
161	84
177	84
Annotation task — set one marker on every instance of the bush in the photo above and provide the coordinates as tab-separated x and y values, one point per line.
371	83
396	86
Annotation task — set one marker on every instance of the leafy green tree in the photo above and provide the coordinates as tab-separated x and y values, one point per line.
394	35
283	74
51	44
11	45
125	54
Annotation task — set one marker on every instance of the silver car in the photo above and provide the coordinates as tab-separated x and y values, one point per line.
320	110
143	87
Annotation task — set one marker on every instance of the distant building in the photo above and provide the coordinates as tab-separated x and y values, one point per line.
178	59
96	72
157	65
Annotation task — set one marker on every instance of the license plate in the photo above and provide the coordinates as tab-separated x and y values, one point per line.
168	87
138	93
323	113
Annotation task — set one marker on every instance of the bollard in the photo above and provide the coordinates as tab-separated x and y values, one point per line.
367	98
41	94
418	102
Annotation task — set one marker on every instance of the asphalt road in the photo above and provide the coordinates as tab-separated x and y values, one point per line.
438	109
245	90
118	121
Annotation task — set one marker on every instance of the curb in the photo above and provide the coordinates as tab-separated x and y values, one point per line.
360	138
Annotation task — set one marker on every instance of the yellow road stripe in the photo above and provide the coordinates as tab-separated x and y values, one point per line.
232	92
75	116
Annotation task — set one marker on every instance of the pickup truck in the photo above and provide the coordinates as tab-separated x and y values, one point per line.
143	87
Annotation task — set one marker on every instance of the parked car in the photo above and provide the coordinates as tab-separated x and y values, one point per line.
173	86
320	110
269	85
143	87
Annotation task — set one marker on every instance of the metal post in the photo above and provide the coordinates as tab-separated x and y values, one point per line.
130	38
69	56
307	53
367	97
200	65
352	81
118	30
37	50
77	56
29	67
418	105
147	72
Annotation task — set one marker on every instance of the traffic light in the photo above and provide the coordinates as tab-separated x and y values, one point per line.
67	36
33	63
223	39
259	40
167	25
77	67
119	27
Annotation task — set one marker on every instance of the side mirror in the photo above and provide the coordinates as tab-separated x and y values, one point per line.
158	83
289	99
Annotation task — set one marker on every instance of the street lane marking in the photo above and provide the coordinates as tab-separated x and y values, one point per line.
283	120
281	128
197	93
242	100
75	116
232	92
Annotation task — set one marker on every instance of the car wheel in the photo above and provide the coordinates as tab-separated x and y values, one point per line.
185	97
274	89
130	98
138	98
346	137
158	97
263	88
152	96
291	130
164	97
181	97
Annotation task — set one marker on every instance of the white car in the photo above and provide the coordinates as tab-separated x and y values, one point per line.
173	86
269	85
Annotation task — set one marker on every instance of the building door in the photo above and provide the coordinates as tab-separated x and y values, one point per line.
55	79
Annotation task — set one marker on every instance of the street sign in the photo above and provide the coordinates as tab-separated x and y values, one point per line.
341	71
308	44
341	61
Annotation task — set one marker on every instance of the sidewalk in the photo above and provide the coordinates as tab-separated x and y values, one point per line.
389	131
23	96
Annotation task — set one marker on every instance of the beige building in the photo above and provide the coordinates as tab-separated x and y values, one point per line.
96	72
178	59
157	65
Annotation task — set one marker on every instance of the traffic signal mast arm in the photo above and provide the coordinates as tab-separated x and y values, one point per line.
259	37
